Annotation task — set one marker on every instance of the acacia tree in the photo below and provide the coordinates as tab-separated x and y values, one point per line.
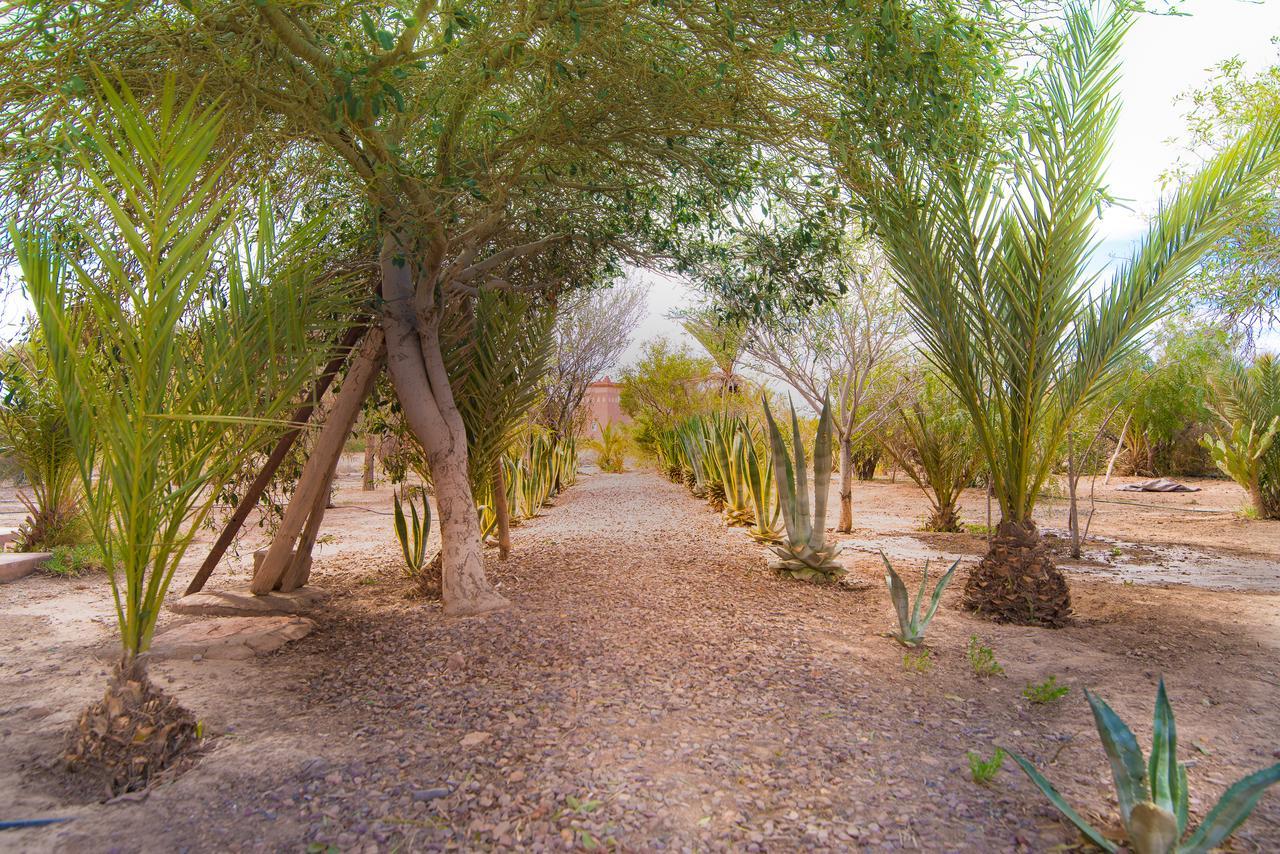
845	347
474	135
994	265
592	329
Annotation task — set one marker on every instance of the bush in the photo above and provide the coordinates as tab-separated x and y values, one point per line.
74	561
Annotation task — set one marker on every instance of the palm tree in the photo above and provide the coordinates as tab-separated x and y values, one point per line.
994	254
177	343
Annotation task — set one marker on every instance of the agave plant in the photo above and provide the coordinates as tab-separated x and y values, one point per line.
911	623
805	553
757	474
1153	794
412	532
994	254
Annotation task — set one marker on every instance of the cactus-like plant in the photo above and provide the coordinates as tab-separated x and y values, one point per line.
805	553
1153	794
412	532
911	623
757	473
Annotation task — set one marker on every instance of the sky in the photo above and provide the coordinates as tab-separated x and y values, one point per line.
1163	57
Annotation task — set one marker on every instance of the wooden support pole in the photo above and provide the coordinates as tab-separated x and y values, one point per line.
250	499
316	473
300	566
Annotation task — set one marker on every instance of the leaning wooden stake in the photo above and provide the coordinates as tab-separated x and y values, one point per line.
313	484
250	499
501	511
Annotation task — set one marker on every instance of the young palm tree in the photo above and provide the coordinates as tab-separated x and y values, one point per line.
994	255
176	344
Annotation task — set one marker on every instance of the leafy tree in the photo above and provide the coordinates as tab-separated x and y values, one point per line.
665	386
1239	279
994	264
848	347
592	329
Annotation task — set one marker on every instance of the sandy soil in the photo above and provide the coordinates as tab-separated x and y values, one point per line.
657	688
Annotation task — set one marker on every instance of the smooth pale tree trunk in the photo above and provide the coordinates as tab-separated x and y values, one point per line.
501	511
313	485
250	499
846	484
416	364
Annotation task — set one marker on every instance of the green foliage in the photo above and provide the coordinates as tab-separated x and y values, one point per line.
982	770
1153	793
1165	401
1240	279
805	554
936	445
1045	692
610	448
919	662
499	351
412	532
992	260
1247	401
911	623
34	434
170	369
666	386
982	659
74	561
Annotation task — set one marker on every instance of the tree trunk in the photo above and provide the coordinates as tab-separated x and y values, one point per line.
1017	581
250	499
370	459
416	365
299	571
501	511
1073	514
313	485
846	484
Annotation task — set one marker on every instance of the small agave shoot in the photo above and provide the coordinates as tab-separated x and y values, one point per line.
805	553
412	533
1153	795
911	624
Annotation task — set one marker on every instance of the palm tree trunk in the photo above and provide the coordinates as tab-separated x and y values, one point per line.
1017	580
501	511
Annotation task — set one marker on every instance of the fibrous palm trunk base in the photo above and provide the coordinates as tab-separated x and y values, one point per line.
944	520
428	582
133	733
1018	581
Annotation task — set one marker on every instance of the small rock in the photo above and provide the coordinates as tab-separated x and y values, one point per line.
424	795
475	739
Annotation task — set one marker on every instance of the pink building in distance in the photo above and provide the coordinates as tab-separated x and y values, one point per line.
603	406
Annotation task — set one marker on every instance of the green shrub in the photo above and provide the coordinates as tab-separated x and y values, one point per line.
985	770
74	561
917	662
1046	691
982	659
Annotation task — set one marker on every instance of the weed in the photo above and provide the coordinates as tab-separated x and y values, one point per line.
919	662
983	659
985	770
73	561
1046	691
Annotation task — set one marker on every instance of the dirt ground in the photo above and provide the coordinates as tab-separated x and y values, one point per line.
655	687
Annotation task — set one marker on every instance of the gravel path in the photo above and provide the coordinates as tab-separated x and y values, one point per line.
656	688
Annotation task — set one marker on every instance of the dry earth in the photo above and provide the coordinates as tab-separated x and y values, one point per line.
656	688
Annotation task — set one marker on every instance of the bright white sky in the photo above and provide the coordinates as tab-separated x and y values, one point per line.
1163	58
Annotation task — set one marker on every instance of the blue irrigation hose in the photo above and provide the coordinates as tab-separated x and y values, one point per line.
30	822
